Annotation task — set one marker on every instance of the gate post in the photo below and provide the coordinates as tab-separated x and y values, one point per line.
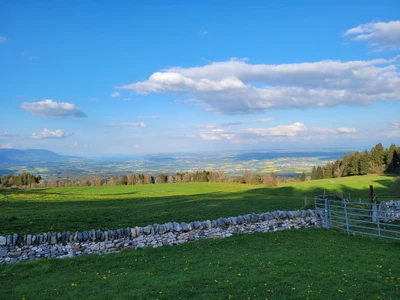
326	213
346	216
371	200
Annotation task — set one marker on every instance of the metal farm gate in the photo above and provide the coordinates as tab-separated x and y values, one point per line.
367	218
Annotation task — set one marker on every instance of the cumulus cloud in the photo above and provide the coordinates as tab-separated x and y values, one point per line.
48	134
383	35
3	39
115	95
50	108
346	130
237	87
131	125
281	130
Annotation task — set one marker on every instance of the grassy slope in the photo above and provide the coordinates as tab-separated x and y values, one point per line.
85	208
294	264
314	264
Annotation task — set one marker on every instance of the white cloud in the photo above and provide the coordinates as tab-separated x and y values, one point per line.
75	144
280	130
230	124
131	125
3	39
384	35
210	136
203	32
292	132
48	134
264	120
7	146
236	87
50	108
346	130
395	124
148	117
4	134
115	95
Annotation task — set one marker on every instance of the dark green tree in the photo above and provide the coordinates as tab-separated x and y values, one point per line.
303	176
313	173
365	163
320	173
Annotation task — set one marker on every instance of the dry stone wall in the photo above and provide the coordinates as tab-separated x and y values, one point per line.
14	248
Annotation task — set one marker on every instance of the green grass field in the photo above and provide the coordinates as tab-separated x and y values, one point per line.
85	208
292	264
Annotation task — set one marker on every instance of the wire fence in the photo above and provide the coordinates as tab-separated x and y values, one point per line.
375	219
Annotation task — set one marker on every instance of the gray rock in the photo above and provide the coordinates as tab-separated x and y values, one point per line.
94	247
141	245
289	214
3	252
169	226
177	227
29	239
14	239
53	239
254	218
162	229
9	240
220	222
185	227
208	224
3	241
147	230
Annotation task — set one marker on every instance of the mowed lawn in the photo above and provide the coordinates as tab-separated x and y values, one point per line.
291	264
84	208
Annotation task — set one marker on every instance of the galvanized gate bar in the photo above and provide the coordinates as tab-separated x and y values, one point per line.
381	220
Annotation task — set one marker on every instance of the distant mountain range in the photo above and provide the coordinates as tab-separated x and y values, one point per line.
51	165
15	156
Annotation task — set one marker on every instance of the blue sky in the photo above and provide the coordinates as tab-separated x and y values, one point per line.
102	78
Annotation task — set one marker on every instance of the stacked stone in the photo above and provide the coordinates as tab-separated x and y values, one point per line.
67	244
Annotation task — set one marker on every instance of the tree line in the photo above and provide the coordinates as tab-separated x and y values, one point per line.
24	179
248	177
377	161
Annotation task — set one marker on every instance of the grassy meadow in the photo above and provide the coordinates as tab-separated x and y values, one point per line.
291	264
111	207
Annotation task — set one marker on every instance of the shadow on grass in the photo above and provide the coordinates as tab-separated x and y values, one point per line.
100	211
23	216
